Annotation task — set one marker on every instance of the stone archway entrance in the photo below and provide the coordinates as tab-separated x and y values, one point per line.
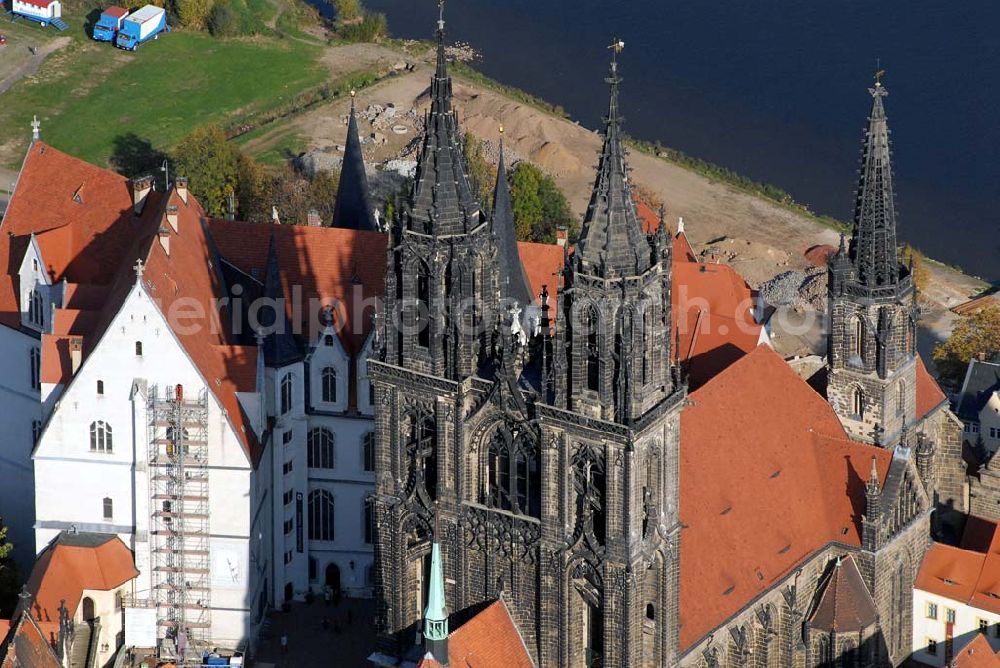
332	579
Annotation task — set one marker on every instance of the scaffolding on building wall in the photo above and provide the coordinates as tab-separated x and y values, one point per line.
179	526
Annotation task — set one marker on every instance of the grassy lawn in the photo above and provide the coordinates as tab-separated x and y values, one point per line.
91	94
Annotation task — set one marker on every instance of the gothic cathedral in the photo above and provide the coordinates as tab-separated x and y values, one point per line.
537	443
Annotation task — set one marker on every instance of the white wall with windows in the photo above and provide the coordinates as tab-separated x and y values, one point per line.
96	443
932	616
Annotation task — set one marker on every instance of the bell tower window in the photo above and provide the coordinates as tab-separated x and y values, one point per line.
423	307
857	339
593	353
858	403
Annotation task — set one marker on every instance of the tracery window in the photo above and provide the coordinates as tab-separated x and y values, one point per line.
423	307
36	313
593	351
589	483
513	473
858	402
36	368
368	451
321	515
421	442
857	337
320	449
100	436
329	380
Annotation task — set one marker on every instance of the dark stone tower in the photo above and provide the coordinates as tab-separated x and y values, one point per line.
353	208
872	305
550	462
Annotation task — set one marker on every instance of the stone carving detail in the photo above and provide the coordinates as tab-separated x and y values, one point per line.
498	532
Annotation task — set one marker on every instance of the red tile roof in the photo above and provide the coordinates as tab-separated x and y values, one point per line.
43	4
968	575
845	604
117	12
768	478
28	643
73	563
929	394
488	640
977	654
82	240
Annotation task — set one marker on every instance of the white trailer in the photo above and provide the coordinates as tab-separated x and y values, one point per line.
41	11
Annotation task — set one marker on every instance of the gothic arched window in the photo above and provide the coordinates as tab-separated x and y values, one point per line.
858	402
423	306
321	515
589	484
593	351
421	442
857	338
286	393
36	313
329	381
320	448
512	473
100	436
368	451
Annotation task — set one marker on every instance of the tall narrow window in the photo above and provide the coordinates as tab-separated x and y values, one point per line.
100	387
321	515
901	398
593	353
423	308
329	379
100	436
857	338
36	313
858	402
286	393
368	450
320	451
138	348
36	368
369	521
36	431
109	513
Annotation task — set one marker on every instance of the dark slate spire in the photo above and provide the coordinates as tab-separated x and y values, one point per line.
873	242
353	207
612	240
513	279
280	348
442	201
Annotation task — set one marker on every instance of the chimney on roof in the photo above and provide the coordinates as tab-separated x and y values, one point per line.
313	219
172	217
141	188
75	354
164	235
561	236
181	184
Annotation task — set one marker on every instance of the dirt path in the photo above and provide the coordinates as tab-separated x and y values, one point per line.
32	62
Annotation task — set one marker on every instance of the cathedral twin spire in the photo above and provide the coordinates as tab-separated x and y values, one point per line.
612	241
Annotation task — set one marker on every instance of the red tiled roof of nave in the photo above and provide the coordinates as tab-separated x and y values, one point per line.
969	574
81	216
768	476
488	640
976	654
72	564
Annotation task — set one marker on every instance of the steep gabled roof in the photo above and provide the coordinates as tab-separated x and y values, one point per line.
982	381
488	640
72	563
845	604
768	477
82	217
27	643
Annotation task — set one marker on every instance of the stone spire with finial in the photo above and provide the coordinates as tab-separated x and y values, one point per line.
353	208
436	612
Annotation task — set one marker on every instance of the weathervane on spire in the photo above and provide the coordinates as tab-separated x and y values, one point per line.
616	47
441	18
879	89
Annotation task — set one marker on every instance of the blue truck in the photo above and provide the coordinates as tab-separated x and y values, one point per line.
141	26
109	24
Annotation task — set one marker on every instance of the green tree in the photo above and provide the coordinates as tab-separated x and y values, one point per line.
526	200
481	172
540	208
921	273
978	333
192	13
346	11
211	164
9	581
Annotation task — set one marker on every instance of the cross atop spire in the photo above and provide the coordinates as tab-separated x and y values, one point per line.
873	242
612	241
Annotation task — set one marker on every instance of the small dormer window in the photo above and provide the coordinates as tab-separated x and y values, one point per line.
35	308
329	378
138	348
100	387
328	340
34	263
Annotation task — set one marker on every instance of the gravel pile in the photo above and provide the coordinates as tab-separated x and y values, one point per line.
798	289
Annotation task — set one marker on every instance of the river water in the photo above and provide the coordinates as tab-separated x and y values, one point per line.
775	90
